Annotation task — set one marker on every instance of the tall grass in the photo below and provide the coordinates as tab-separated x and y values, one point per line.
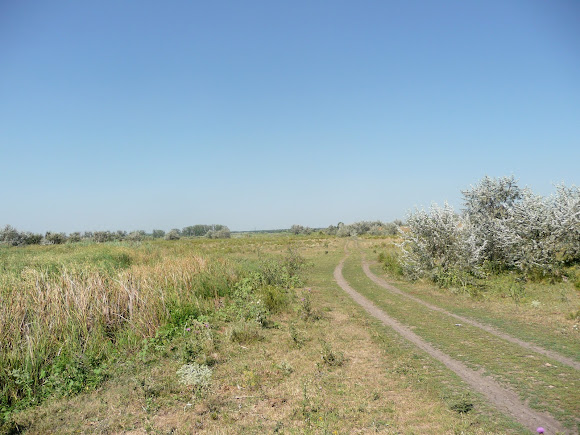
64	313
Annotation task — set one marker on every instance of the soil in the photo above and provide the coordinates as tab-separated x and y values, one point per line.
505	400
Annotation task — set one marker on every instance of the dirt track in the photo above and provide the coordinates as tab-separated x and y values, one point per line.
505	400
554	355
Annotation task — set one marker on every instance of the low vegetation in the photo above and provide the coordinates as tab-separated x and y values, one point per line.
67	315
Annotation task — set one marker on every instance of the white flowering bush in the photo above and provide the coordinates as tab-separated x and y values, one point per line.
502	227
440	244
565	219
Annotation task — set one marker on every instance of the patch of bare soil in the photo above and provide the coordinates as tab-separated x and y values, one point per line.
505	400
554	355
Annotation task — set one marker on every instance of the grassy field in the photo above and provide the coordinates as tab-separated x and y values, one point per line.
252	335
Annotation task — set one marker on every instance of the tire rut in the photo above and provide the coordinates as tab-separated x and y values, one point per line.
505	400
535	348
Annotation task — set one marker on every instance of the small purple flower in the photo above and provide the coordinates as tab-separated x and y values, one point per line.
540	429
302	299
188	329
206	325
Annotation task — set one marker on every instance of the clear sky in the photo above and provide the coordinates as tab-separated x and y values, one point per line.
262	114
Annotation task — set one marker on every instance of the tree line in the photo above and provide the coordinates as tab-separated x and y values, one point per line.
12	237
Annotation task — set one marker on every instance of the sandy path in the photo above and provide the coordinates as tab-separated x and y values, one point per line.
554	355
505	400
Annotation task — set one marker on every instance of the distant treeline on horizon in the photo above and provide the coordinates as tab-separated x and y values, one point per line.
10	236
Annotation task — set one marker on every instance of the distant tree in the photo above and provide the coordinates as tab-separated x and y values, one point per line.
11	236
136	236
331	230
158	234
74	237
51	238
102	236
120	235
222	233
32	238
299	229
174	234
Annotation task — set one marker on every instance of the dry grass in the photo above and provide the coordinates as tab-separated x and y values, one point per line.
276	385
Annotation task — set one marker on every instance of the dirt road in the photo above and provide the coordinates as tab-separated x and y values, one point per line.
505	400
554	355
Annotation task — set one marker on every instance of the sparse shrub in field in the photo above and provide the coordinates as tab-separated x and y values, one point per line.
463	405
245	332
306	310
222	233
195	375
274	298
575	315
296	335
329	356
299	229
391	263
174	234
285	367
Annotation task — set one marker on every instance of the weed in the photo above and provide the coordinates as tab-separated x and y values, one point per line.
391	264
463	405
331	357
245	332
574	315
297	336
285	367
306	310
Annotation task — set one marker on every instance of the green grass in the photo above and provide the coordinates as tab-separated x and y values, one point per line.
553	388
285	356
550	324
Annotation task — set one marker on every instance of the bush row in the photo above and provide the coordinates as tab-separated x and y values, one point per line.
373	228
501	227
12	237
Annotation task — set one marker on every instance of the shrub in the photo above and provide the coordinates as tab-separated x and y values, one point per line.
331	357
158	234
136	236
438	242
391	264
502	228
74	237
299	229
102	236
174	234
222	233
195	375
54	238
10	236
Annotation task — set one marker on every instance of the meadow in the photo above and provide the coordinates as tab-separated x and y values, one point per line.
252	334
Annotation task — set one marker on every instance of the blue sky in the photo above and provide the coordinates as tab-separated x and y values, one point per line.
261	114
